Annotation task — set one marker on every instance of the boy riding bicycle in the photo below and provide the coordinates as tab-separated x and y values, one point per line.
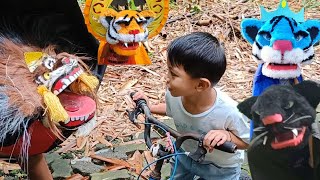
196	62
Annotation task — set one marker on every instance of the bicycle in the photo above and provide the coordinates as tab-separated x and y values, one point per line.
165	153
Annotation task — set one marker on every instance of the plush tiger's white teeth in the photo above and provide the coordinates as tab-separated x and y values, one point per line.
295	132
125	44
265	140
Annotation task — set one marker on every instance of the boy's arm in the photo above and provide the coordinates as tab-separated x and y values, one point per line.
238	141
159	109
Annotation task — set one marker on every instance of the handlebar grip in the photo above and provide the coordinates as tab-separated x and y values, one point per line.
227	146
138	102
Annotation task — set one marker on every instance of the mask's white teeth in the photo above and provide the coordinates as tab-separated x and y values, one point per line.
295	132
265	140
275	140
66	82
86	117
125	44
71	78
67	121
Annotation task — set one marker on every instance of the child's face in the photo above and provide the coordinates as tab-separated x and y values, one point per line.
179	82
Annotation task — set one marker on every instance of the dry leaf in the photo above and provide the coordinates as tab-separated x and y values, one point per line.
104	141
6	167
77	177
112	160
114	167
136	161
128	84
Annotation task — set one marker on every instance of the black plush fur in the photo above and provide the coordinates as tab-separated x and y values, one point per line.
291	103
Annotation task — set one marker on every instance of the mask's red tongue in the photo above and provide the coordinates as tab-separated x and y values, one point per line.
79	108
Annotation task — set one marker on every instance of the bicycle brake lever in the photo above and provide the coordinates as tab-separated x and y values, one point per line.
133	116
200	153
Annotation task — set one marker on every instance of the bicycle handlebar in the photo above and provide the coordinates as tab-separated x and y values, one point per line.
142	107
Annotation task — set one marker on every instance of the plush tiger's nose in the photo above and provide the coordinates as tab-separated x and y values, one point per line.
282	45
134	32
276	118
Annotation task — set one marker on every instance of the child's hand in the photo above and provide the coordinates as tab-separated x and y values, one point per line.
140	95
215	137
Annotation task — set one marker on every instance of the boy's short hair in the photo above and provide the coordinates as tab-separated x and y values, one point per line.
200	54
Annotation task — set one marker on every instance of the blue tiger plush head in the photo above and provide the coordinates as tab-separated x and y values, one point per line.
282	40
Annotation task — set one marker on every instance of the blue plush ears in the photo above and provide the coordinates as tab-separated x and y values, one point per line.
250	28
313	27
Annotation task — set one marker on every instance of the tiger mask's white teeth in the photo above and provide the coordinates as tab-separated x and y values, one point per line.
125	44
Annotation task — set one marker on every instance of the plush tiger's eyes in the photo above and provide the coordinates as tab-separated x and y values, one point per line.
300	35
266	35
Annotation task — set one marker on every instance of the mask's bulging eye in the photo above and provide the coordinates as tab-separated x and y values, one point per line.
289	105
46	76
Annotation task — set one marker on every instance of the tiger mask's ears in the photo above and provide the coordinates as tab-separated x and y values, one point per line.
250	28
313	27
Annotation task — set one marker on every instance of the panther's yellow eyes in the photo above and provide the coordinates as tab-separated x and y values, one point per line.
46	76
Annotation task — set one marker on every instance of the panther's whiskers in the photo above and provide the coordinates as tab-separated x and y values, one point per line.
300	118
291	128
289	117
259	129
259	136
265	140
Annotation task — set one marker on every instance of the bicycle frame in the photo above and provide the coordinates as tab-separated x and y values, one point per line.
198	155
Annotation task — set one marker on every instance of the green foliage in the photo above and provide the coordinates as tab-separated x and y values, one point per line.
172	4
195	9
132	6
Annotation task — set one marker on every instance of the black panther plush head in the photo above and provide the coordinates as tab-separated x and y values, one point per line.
283	115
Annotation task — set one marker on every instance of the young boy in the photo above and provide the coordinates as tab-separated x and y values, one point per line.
196	62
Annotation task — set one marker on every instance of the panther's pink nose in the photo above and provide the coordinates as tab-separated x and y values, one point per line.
276	118
282	45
